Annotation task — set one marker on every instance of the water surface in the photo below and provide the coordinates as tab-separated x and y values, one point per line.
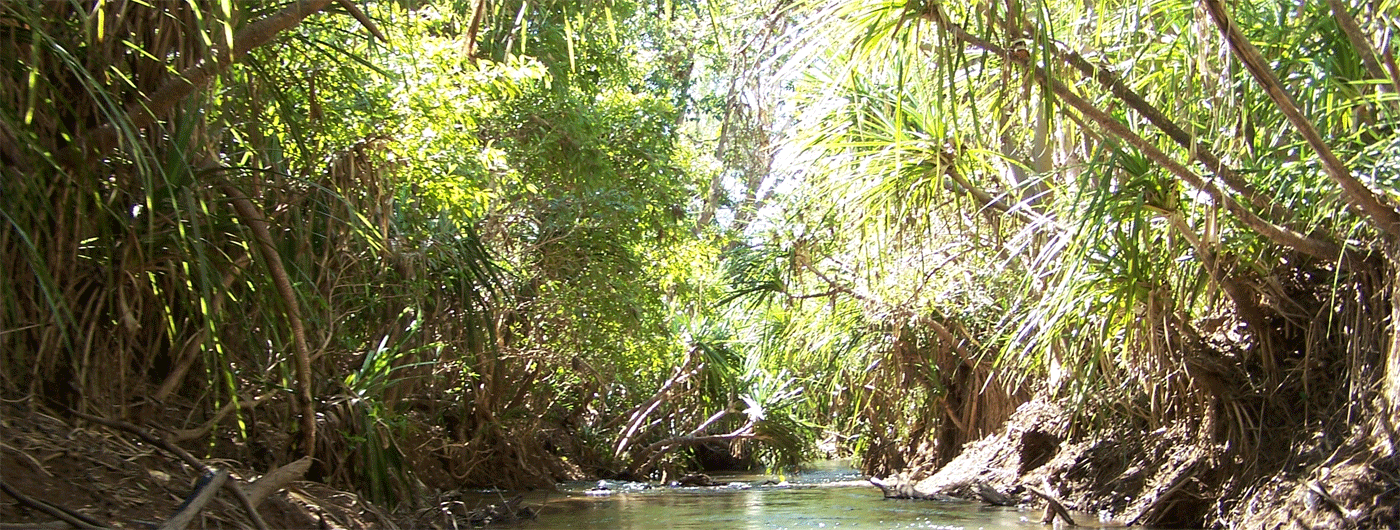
829	496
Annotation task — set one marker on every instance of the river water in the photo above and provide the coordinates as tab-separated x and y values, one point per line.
831	496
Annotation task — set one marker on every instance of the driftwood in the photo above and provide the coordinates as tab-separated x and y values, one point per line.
896	487
1053	508
204	491
993	497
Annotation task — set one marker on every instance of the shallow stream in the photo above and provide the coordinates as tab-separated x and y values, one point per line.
830	496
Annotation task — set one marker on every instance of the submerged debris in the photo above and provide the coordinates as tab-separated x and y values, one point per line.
452	511
505	513
696	479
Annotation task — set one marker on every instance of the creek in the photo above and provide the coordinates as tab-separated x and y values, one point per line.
828	495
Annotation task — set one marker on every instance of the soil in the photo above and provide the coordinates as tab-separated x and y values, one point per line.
120	482
1167	477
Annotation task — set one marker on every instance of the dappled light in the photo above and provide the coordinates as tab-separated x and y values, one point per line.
382	264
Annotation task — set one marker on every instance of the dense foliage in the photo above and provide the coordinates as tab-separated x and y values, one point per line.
513	242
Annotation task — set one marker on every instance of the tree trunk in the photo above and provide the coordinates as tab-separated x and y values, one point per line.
1390	419
256	222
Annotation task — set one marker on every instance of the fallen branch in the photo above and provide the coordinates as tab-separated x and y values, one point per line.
149	438
76	519
639	414
1053	508
186	457
204	490
653	453
275	480
185	435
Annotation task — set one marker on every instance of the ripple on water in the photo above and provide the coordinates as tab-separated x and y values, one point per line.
798	505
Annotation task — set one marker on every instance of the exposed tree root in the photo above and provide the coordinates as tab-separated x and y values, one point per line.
1168	477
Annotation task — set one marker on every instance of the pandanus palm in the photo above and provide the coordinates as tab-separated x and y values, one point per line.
1128	168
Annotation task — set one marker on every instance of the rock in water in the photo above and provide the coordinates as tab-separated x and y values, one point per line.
603	488
696	479
991	496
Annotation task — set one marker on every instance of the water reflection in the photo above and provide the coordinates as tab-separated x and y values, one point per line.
838	507
809	501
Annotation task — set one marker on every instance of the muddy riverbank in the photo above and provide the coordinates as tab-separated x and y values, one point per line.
1173	476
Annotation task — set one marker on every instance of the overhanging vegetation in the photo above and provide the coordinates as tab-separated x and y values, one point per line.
506	243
